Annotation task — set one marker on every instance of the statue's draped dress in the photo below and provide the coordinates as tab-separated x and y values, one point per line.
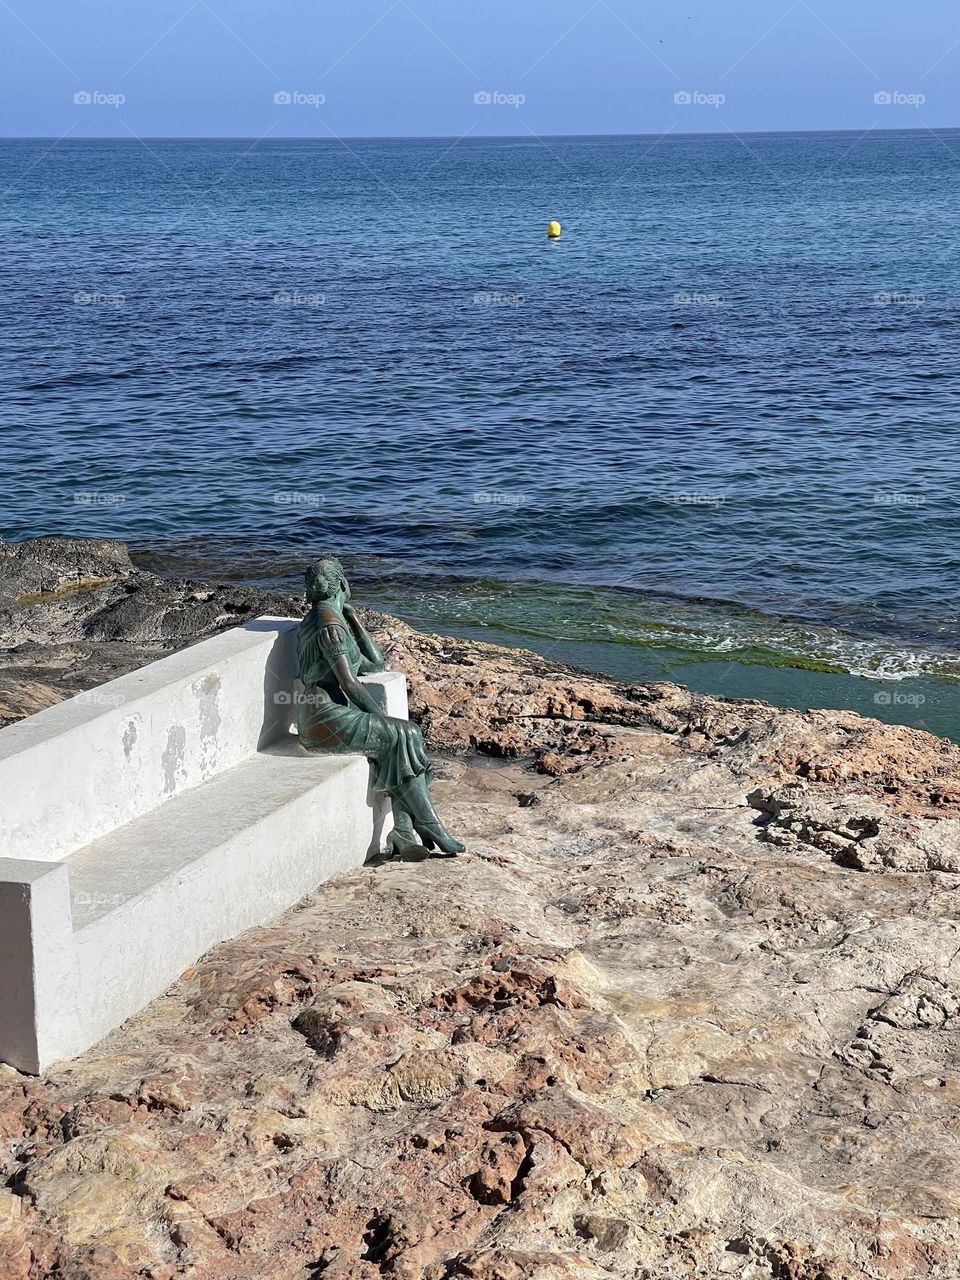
328	722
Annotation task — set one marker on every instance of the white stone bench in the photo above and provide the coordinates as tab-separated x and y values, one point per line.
149	819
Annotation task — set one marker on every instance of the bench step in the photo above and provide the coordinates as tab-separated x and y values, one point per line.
95	938
171	842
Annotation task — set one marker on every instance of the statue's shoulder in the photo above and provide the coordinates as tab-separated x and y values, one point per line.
327	616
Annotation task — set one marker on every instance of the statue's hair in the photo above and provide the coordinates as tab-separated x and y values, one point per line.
323	579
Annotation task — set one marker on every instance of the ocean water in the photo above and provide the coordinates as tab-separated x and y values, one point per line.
713	431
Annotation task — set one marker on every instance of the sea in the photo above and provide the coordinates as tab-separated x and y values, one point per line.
711	434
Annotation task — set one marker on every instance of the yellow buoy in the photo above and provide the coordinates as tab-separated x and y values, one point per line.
553	230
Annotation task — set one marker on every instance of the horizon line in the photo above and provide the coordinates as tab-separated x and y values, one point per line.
472	137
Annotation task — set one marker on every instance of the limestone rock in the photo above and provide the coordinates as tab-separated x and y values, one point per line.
656	1023
75	613
55	567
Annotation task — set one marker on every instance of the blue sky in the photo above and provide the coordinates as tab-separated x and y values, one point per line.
349	68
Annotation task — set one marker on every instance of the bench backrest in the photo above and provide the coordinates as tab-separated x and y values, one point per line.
70	774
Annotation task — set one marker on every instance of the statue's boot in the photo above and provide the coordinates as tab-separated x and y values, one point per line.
402	841
435	836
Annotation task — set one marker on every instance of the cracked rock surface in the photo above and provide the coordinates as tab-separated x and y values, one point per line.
688	1007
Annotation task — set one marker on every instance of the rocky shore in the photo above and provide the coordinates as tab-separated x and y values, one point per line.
689	1006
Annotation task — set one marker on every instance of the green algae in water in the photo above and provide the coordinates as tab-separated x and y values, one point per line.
708	647
698	631
712	647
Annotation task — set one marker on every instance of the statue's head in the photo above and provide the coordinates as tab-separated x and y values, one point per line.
324	580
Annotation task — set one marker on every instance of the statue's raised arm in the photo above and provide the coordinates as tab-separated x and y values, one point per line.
337	714
372	657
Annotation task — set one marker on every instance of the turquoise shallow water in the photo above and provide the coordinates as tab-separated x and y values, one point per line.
708	646
920	702
716	423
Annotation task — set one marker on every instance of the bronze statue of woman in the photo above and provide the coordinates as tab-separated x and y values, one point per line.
337	714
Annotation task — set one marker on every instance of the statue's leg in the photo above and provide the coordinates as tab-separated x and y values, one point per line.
411	802
402	840
413	797
402	822
412	806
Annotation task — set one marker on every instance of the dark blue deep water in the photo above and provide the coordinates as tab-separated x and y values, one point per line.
718	419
